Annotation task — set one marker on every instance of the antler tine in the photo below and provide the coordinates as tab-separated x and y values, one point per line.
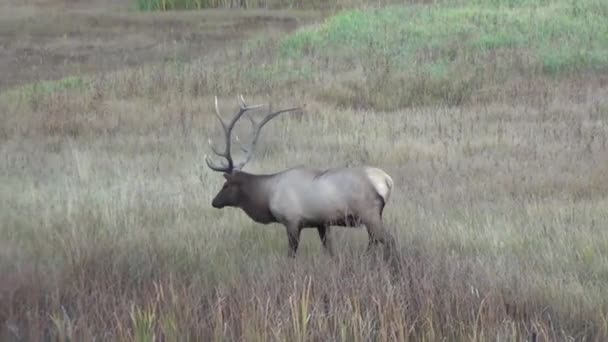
217	113
273	115
227	129
257	127
226	153
214	167
244	105
241	101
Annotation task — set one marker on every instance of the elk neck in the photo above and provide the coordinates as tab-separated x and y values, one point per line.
255	197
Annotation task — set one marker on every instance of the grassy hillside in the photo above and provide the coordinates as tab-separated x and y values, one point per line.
557	37
451	53
411	55
491	116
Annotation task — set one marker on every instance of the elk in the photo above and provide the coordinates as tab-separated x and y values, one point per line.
302	197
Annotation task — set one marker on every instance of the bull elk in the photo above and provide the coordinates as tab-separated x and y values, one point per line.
302	197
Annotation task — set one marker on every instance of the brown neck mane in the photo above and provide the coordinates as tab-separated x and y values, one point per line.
256	197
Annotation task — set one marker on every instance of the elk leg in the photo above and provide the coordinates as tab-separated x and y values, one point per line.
293	236
372	242
377	233
325	239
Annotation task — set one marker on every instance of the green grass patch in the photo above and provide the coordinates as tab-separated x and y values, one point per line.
45	88
451	47
35	92
561	35
49	87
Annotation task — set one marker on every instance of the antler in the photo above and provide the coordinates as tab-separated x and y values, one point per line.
227	128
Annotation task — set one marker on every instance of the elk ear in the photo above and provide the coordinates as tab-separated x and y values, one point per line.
231	177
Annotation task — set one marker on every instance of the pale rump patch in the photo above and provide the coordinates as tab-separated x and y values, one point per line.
382	182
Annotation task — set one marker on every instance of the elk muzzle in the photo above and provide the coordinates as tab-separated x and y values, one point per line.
216	203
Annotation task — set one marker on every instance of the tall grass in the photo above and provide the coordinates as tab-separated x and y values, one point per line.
499	205
108	233
166	5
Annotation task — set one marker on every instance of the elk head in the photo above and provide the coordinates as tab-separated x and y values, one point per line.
229	194
231	190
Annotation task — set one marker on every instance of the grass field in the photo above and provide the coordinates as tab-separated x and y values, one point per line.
491	117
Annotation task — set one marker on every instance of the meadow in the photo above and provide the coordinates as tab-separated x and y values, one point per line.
490	115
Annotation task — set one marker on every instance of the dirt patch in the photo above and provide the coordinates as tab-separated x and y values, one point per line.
51	39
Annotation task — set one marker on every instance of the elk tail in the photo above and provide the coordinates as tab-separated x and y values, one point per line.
389	184
382	182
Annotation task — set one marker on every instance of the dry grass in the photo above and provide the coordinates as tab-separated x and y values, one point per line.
331	5
58	38
108	233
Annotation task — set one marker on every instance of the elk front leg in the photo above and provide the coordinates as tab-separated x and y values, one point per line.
325	238
293	237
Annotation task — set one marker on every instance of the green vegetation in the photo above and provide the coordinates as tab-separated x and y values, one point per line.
446	51
560	36
451	52
49	87
36	92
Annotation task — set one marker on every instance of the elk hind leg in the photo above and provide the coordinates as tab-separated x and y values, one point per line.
372	243
378	234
